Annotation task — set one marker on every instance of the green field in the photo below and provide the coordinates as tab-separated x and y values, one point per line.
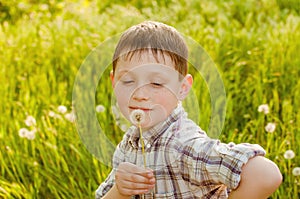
255	45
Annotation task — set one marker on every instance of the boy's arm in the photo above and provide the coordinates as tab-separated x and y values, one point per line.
260	177
114	193
130	180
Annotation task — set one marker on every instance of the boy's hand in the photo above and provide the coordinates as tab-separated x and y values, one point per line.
133	180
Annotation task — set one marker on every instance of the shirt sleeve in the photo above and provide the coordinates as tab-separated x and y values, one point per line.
105	186
209	162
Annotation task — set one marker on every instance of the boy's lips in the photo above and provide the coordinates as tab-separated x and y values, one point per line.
140	108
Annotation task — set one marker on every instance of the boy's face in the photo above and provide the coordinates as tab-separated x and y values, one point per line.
150	85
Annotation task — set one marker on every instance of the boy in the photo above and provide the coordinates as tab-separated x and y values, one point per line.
150	75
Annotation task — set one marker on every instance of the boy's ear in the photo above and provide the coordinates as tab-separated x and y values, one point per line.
186	85
112	78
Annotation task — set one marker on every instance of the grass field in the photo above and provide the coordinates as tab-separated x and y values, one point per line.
255	46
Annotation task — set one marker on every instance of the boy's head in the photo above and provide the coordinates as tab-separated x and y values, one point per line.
147	62
155	38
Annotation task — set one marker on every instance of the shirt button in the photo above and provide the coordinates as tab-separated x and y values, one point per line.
148	146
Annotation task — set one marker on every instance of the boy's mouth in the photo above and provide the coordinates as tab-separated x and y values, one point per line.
140	108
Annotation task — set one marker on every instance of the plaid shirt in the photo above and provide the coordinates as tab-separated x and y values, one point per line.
186	163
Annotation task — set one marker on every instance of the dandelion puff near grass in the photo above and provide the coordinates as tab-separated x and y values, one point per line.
264	108
296	171
270	127
30	121
70	117
31	135
62	109
100	108
52	114
23	132
289	154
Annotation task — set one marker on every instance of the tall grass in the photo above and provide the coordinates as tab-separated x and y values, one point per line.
254	44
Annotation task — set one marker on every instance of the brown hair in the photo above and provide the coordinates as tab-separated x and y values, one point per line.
156	37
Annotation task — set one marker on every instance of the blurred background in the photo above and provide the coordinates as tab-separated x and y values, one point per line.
255	45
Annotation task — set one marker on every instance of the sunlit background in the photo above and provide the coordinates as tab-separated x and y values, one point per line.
255	44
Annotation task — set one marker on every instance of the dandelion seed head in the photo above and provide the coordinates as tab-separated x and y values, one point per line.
30	121
23	132
100	108
31	135
35	164
70	117
54	115
289	154
44	7
51	114
264	108
270	127
137	116
62	109
296	171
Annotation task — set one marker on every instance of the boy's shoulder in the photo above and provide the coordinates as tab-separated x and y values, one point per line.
183	132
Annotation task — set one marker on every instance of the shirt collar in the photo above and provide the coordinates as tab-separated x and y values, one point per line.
153	133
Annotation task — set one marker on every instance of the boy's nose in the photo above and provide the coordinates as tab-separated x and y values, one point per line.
141	93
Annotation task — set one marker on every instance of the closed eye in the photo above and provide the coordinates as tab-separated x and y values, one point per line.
156	85
127	82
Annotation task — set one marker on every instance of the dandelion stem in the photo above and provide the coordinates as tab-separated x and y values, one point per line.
143	149
142	143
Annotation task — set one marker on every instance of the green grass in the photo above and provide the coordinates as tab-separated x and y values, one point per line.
254	44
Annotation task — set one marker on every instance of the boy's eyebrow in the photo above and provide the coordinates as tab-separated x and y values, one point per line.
122	72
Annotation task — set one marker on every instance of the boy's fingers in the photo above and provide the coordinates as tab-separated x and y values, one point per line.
145	177
127	167
130	192
133	184
136	186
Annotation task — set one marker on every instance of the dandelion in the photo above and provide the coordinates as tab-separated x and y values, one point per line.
44	7
100	108
137	116
7	148
70	117
296	171
51	114
264	108
31	135
62	109
23	6
23	132
289	154
30	121
270	127
54	115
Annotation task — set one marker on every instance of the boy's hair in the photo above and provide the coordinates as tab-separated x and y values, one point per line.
154	37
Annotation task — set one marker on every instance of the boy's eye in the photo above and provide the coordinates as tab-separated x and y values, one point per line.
156	85
127	81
